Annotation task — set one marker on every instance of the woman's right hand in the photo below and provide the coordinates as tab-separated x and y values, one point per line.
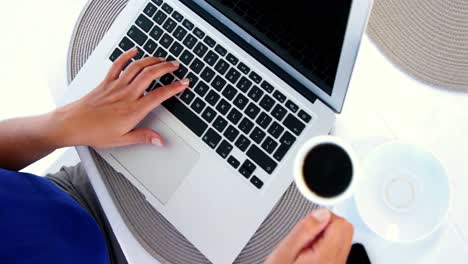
319	238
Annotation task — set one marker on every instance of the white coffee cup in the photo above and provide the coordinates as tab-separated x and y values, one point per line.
299	170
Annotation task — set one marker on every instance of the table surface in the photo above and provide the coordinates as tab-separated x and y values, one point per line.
382	102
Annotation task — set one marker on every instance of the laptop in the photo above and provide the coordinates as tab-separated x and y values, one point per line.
265	76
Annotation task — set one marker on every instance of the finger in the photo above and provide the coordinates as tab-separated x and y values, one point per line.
156	97
141	136
135	68
149	74
120	63
337	238
302	235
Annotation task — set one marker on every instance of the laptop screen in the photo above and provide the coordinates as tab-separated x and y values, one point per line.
306	34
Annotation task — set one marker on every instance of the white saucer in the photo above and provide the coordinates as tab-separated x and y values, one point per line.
403	194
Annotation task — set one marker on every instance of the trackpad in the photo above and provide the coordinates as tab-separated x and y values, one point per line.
160	170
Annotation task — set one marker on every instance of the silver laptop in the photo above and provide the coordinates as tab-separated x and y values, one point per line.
265	77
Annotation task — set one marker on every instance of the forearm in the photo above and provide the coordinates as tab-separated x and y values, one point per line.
26	140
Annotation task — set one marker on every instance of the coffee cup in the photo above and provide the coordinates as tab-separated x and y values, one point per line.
325	170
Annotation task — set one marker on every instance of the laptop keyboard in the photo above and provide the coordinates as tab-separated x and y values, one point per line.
228	105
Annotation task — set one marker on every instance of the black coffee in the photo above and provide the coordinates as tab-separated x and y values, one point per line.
327	170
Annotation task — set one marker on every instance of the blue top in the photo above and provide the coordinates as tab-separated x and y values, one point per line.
40	223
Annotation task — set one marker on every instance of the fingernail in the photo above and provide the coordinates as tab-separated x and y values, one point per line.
321	214
157	142
175	63
134	49
185	81
162	59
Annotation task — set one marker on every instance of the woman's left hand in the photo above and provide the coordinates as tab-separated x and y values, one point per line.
107	116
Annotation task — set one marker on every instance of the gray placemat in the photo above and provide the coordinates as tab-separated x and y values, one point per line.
428	39
149	227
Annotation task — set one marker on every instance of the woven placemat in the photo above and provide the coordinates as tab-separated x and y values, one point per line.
149	227
428	39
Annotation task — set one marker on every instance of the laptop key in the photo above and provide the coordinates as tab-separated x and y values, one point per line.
220	50
198	105
232	59
252	111
231	133
137	35
244	84
209	41
275	130
157	2
170	25
185	115
234	162
126	44
207	74
140	54
234	116
181	72
166	40
243	68
199	33
190	41
294	124
187	96
150	9
211	138
233	75
187	24
304	116
267	87
167	79
197	65
117	52
243	143
255	77
159	17
156	33
220	124
160	53
193	79
218	83
246	125
256	182
267	103
222	66
176	49
241	101
209	114
179	33
255	93
144	23
186	57
211	58
150	46
167	8
229	92
279	96
286	142
223	106
247	169
177	16
261	159
279	112
292	106
269	145
224	149
257	135
212	97
264	120
201	88
200	49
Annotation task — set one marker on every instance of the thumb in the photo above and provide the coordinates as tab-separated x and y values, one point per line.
305	232
142	136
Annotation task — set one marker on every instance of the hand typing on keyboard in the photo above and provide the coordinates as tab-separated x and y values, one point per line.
107	116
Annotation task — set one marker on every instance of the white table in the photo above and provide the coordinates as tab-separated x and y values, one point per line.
382	103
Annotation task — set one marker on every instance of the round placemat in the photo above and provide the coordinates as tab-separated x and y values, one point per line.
428	39
149	227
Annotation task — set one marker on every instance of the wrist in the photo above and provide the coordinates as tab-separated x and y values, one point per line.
59	131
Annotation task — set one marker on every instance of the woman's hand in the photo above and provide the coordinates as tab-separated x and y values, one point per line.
320	238
107	116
